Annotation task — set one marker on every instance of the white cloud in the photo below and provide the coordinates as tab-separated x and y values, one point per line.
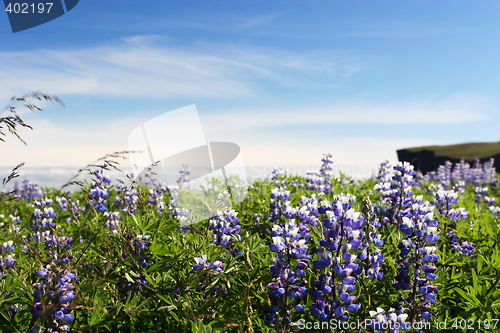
140	67
73	144
146	66
79	143
452	110
393	28
256	21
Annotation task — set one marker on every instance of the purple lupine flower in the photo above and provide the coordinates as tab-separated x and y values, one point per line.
127	197
206	270
7	257
156	200
384	173
489	172
30	191
156	193
417	253
445	204
41	273
307	214
141	242
226	227
290	288
132	285
461	172
278	174
443	175
113	221
479	174
62	202
42	217
53	291
289	243
375	259
326	169
396	195
180	214
338	266
131	282
201	262
490	201
394	320
52	296
99	190
481	193
75	208
494	210
184	177
314	181
321	181
445	200
280	200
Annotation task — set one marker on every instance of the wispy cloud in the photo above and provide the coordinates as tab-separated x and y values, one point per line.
352	150
451	110
266	136
256	21
387	34
78	144
142	66
67	144
406	29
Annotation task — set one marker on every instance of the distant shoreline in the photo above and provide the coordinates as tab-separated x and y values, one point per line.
57	176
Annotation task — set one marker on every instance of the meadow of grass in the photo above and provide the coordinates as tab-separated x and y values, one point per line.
114	258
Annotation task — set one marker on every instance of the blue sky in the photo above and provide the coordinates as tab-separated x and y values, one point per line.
286	80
